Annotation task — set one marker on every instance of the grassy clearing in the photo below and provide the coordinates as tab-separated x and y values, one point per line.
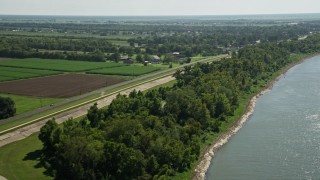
126	70
197	58
21	160
25	104
120	43
57	65
10	73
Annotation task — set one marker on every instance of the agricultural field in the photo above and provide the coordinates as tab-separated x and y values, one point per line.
125	70
25	104
11	73
57	65
60	86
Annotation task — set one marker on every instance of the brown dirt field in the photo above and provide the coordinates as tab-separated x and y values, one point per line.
60	86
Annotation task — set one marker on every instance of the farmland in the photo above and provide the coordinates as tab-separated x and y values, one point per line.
126	70
11	73
60	86
57	65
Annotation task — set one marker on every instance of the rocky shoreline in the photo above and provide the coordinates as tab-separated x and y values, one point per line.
204	162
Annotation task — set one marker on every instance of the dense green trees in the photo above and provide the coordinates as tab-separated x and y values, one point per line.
158	133
7	107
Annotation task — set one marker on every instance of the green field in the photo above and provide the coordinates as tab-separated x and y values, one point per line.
11	73
68	35
21	160
120	43
26	104
125	70
57	65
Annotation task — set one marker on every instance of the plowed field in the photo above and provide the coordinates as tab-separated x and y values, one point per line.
60	86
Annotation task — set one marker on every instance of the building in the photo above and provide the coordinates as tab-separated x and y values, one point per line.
155	59
126	60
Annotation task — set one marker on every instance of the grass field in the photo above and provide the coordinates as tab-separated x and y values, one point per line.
10	73
66	35
120	43
125	70
21	160
26	104
57	65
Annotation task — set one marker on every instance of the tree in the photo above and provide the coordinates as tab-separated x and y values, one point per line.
146	57
188	60
49	135
115	57
94	115
168	58
139	58
7	107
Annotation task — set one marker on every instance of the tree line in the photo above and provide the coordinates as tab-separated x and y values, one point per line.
190	38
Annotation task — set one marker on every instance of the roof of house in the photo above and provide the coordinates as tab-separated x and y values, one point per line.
124	57
156	57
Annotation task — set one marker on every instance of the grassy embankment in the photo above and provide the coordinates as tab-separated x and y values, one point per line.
25	104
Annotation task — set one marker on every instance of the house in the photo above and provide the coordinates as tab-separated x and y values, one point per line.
178	57
126	60
155	59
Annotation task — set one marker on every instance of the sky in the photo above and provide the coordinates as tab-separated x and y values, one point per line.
157	7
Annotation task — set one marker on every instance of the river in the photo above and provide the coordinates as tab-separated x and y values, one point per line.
281	140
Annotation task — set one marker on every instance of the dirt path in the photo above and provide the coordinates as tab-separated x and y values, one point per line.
24	132
2	178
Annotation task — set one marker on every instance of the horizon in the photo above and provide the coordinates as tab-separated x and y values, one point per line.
169	15
157	8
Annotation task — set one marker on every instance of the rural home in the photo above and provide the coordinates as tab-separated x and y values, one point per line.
155	59
126	60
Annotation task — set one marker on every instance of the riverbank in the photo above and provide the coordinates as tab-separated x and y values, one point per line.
209	153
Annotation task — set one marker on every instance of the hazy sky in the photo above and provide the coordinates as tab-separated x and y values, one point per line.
157	7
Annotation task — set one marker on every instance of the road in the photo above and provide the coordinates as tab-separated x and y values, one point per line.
26	131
